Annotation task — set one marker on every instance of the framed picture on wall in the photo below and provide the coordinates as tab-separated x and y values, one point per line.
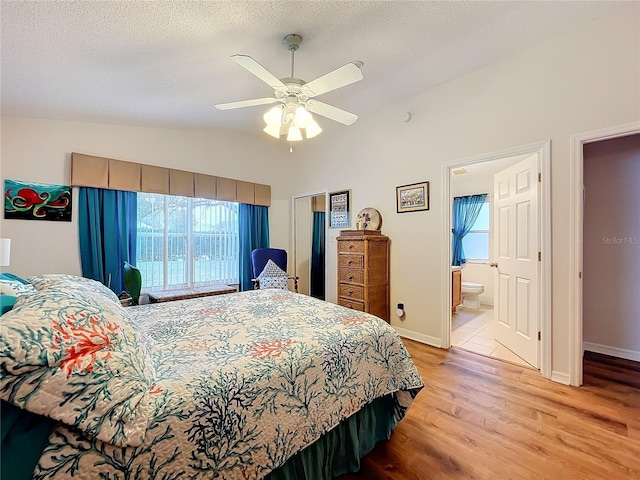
339	209
36	201
412	198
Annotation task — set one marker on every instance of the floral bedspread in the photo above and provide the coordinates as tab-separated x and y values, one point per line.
244	382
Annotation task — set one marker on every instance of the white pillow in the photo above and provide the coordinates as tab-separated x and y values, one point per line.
272	276
73	283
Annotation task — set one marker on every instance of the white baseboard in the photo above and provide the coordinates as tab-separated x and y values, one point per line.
482	305
419	337
613	351
560	377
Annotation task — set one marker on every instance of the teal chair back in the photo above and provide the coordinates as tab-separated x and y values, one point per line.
132	282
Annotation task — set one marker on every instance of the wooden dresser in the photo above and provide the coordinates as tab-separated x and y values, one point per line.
363	271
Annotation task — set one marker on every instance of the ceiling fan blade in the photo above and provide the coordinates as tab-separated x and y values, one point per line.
258	70
246	103
340	77
331	112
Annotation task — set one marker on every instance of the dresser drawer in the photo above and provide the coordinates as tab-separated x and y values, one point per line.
346	290
349	304
350	261
346	246
348	275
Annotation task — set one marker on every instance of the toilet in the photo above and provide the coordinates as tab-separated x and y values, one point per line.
471	294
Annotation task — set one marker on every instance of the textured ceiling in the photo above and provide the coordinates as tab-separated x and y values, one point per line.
168	63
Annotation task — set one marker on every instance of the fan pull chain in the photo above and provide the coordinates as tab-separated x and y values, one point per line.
293	52
290	147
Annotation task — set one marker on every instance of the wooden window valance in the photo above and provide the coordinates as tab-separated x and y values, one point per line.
318	203
100	172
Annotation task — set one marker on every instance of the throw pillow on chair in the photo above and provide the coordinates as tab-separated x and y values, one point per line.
273	277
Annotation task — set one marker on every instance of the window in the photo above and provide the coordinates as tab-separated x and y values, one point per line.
184	241
476	242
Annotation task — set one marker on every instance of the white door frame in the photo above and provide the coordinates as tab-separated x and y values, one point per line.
543	149
576	179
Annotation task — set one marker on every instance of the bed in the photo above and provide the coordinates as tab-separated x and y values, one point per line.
260	384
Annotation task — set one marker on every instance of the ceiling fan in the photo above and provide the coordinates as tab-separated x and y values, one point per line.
296	97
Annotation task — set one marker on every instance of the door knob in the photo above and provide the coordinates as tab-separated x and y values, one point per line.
493	264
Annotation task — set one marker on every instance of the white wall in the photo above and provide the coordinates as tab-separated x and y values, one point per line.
40	151
582	80
611	270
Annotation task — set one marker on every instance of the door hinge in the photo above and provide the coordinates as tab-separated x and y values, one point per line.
539	256
539	336
539	177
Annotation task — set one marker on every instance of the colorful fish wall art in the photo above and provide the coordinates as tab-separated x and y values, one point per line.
36	201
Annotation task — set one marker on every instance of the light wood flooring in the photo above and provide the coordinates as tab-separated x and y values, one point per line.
473	330
480	418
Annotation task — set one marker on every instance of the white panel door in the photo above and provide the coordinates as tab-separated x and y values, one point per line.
515	246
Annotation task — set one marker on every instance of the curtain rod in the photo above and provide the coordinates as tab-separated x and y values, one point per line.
462	196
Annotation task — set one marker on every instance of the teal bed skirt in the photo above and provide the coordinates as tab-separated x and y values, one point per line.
25	435
339	451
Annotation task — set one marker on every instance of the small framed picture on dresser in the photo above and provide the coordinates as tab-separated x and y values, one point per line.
340	209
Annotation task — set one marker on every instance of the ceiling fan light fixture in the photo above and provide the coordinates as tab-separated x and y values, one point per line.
273	117
294	134
288	112
302	117
313	129
295	98
273	130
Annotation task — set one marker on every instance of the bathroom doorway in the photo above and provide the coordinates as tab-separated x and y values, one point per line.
472	322
472	325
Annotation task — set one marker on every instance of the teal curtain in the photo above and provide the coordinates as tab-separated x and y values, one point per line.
253	226
107	230
465	213
317	256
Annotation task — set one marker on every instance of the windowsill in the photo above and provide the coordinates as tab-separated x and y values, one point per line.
479	262
157	296
199	286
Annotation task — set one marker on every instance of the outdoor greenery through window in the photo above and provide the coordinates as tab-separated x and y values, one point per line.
476	242
184	242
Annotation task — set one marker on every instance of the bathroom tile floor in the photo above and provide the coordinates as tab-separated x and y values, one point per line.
472	330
